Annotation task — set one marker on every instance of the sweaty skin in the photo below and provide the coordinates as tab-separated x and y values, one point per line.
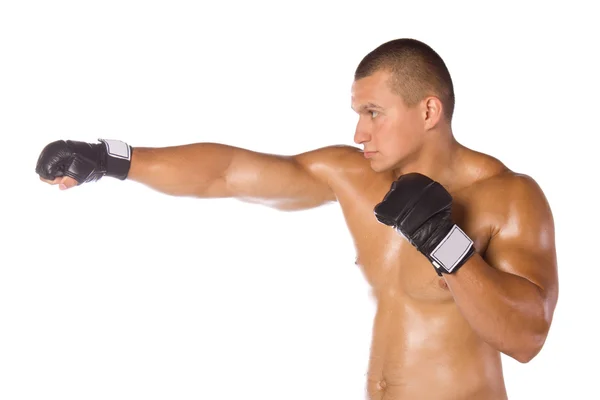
432	337
422	347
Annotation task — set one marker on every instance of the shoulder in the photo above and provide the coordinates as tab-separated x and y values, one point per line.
514	188
522	206
511	203
501	185
332	159
343	168
329	154
523	186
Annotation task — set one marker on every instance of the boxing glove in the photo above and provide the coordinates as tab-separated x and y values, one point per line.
85	162
420	210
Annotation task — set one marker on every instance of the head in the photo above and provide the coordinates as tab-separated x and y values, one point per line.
403	94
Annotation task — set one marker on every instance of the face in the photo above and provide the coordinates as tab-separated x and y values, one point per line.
389	131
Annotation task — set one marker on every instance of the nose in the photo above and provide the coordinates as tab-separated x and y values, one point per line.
361	134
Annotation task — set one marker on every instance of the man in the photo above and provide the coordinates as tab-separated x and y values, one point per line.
458	249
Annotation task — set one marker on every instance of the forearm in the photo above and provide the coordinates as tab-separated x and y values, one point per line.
189	170
507	311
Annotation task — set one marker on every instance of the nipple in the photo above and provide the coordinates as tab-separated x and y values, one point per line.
443	283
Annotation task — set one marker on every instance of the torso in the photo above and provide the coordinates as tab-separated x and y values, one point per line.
421	345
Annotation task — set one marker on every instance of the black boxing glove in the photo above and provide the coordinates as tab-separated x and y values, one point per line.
420	209
85	162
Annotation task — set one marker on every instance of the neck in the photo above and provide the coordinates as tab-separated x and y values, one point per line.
437	158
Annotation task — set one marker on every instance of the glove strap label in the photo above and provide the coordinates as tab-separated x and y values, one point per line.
117	148
451	250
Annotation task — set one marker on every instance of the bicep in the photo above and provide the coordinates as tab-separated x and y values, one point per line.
282	182
525	244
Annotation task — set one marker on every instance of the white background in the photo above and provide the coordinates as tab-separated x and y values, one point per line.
115	291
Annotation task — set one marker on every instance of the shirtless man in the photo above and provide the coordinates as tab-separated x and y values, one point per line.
458	249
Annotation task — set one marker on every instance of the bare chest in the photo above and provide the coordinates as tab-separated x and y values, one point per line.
390	264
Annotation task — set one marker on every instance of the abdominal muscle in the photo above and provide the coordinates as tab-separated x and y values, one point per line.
426	350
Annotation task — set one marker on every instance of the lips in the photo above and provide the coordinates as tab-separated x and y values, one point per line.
368	154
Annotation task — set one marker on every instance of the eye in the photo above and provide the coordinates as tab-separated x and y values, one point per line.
373	113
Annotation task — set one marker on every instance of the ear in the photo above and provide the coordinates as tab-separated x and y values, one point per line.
432	112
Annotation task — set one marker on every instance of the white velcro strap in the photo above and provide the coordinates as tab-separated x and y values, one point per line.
117	148
452	249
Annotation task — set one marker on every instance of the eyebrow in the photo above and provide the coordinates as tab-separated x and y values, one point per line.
368	105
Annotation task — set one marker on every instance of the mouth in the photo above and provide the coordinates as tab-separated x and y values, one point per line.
368	154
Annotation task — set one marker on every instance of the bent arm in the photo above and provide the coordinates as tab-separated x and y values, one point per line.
509	296
211	170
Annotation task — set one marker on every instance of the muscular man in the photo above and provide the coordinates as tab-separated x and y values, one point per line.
459	250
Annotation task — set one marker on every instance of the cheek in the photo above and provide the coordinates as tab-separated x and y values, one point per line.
398	137
392	131
386	128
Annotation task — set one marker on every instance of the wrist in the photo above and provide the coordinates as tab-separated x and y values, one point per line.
451	251
117	158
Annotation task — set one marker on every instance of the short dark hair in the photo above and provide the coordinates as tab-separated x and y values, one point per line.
417	72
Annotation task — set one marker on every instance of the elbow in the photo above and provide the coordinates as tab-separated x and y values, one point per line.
530	345
525	355
532	340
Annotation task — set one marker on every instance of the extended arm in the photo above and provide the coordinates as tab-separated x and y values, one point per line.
204	170
210	170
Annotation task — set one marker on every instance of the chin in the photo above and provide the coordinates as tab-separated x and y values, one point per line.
376	169
379	166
